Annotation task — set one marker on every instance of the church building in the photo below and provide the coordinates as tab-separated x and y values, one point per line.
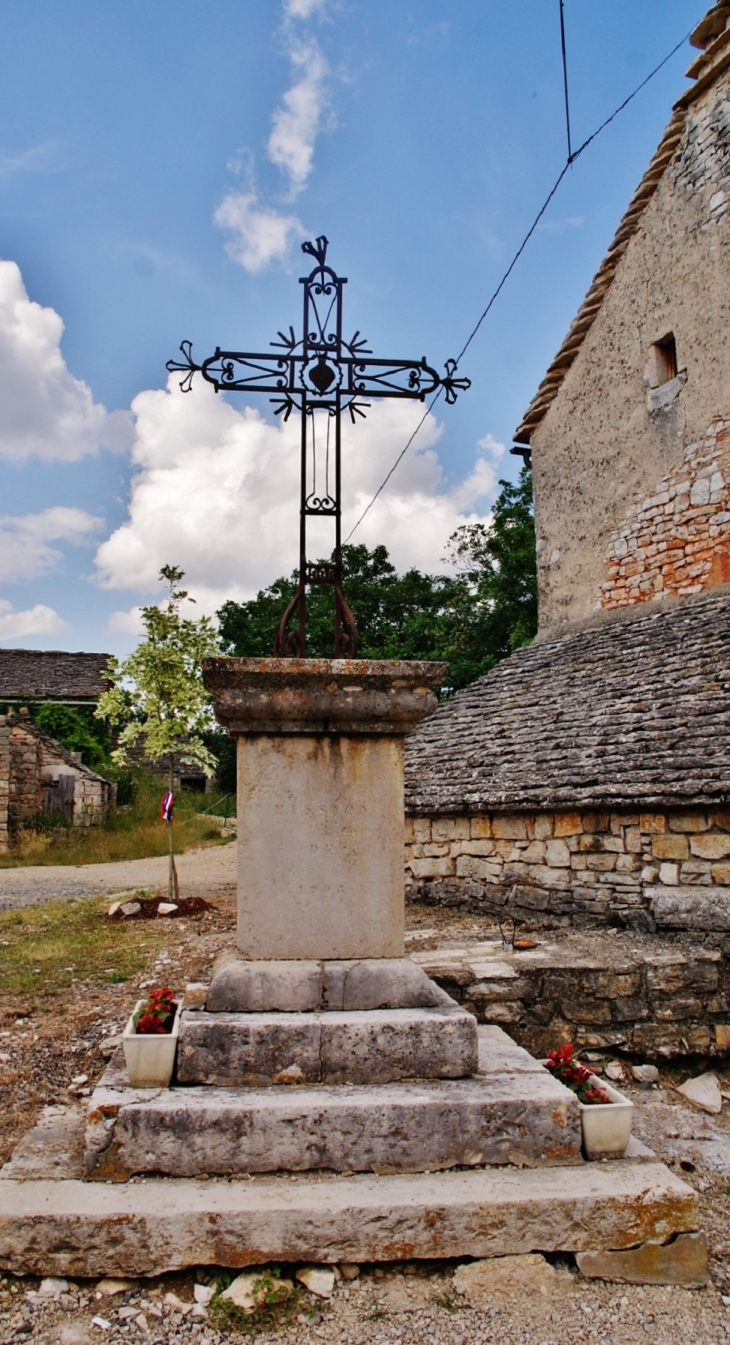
587	777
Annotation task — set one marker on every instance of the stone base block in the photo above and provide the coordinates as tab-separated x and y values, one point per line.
524	1119
379	1046
683	1261
242	986
153	1226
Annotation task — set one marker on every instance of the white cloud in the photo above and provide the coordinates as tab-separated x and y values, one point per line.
127	623
303	9
38	620
45	157
44	411
216	491
262	233
25	540
297	121
259	235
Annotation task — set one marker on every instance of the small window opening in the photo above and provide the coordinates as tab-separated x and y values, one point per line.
664	359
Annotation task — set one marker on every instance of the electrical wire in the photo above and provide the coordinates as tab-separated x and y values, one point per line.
495	295
565	79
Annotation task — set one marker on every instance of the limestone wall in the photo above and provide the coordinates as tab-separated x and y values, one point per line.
628	470
621	992
30	761
4	782
640	869
26	793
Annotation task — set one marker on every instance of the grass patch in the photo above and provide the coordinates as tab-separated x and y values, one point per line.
447	1301
132	832
44	949
277	1305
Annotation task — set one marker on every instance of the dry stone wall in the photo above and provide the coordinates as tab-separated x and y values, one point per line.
607	991
4	782
640	869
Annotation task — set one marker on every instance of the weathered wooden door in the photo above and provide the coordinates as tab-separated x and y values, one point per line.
58	796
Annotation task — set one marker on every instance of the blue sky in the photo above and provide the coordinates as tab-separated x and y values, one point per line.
160	165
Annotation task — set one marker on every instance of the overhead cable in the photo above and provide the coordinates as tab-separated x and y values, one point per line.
569	161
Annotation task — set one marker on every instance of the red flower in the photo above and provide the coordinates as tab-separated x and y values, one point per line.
156	1014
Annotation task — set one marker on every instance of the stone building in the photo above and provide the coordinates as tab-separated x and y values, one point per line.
38	775
51	675
630	428
587	777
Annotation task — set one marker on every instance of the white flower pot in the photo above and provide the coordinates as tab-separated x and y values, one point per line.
150	1059
606	1125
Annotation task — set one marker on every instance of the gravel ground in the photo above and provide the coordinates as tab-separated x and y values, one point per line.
202	873
390	1308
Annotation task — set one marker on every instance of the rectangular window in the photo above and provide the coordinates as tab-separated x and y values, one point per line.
665	360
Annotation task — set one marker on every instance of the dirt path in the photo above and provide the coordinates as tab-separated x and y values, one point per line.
202	873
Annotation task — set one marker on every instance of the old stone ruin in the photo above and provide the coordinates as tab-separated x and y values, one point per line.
319	1050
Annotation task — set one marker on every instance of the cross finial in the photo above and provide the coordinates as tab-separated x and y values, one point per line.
317	250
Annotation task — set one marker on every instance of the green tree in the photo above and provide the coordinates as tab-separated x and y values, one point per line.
76	729
398	616
496	563
158	696
470	619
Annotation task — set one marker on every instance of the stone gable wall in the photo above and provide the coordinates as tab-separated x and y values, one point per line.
4	782
678	540
29	760
618	462
636	868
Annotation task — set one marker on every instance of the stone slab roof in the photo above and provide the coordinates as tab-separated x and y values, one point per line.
51	675
714	42
627	712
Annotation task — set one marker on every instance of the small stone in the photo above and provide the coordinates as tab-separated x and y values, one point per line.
241	1291
704	1092
319	1280
110	1044
80	1078
348	1270
196	995
199	1310
101	1322
173	1301
114	908
129	908
507	1275
51	1287
125	1313
203	1293
166	907
645	1073
615	1071
109	1287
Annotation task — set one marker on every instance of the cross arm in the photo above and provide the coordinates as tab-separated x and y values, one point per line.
237	370
402	378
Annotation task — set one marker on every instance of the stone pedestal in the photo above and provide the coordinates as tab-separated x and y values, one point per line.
320	799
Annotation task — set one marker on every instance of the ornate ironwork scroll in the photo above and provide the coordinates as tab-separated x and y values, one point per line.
320	375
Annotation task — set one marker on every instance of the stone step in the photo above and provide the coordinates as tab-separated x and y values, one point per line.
370	1046
527	1118
157	1225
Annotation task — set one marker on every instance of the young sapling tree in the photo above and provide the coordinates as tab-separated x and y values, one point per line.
157	693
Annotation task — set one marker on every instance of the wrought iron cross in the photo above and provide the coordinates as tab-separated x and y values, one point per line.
319	372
